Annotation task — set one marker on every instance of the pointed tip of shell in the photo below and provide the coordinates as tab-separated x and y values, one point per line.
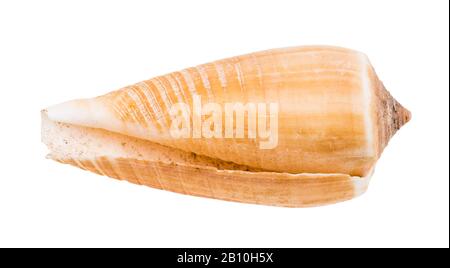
391	115
398	114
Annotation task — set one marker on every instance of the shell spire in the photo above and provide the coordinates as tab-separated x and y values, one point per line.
390	114
393	115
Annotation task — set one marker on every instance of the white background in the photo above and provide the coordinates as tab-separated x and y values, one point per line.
52	51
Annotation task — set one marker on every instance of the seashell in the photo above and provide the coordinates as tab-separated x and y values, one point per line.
333	119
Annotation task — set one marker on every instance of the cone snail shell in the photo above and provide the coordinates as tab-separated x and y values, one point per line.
334	118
